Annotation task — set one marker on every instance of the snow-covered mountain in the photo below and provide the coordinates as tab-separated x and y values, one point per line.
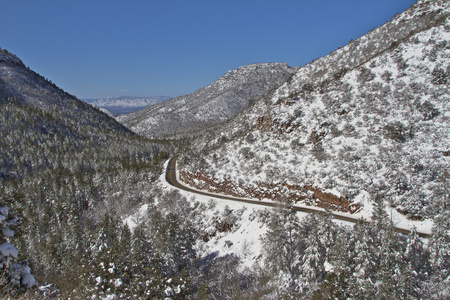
211	105
369	120
125	104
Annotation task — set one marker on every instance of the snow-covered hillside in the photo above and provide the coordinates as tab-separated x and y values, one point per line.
211	105
369	120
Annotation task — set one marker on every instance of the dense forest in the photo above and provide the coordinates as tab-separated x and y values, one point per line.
61	178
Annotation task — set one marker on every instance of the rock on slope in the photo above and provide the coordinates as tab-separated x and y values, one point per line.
369	120
211	105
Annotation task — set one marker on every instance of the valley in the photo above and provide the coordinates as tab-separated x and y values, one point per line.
325	181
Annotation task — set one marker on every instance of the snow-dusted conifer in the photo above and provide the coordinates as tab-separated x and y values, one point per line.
326	231
415	253
282	244
438	284
408	285
438	246
364	262
379	215
142	250
15	276
313	258
388	268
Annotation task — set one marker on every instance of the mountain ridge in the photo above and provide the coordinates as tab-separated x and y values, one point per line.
6	56
27	87
211	105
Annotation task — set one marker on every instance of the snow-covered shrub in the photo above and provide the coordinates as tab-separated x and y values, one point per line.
441	76
16	276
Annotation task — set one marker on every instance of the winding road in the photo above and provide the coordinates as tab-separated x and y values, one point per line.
171	178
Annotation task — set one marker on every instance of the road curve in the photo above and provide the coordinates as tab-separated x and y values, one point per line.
171	178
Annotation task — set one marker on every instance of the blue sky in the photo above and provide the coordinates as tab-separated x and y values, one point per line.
105	48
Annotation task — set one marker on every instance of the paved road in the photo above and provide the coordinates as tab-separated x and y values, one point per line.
171	178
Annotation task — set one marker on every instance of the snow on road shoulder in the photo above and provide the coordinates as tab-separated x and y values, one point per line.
244	238
399	220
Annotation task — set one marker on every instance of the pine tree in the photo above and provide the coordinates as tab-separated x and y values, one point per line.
415	254
388	266
326	230
313	258
146	264
364	263
107	234
339	252
143	253
438	246
438	284
282	244
379	215
407	284
175	243
121	252
15	275
336	283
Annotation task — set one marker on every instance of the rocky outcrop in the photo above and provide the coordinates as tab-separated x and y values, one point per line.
278	192
6	56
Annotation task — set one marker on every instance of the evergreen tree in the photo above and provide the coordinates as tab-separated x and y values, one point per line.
415	253
408	284
146	265
388	266
326	230
336	284
438	284
313	258
379	215
364	263
282	243
143	253
15	275
122	253
438	247
107	234
339	255
176	243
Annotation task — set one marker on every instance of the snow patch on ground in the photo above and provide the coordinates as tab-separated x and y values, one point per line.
244	238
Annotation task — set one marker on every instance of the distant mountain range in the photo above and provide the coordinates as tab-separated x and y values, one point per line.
209	106
125	104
